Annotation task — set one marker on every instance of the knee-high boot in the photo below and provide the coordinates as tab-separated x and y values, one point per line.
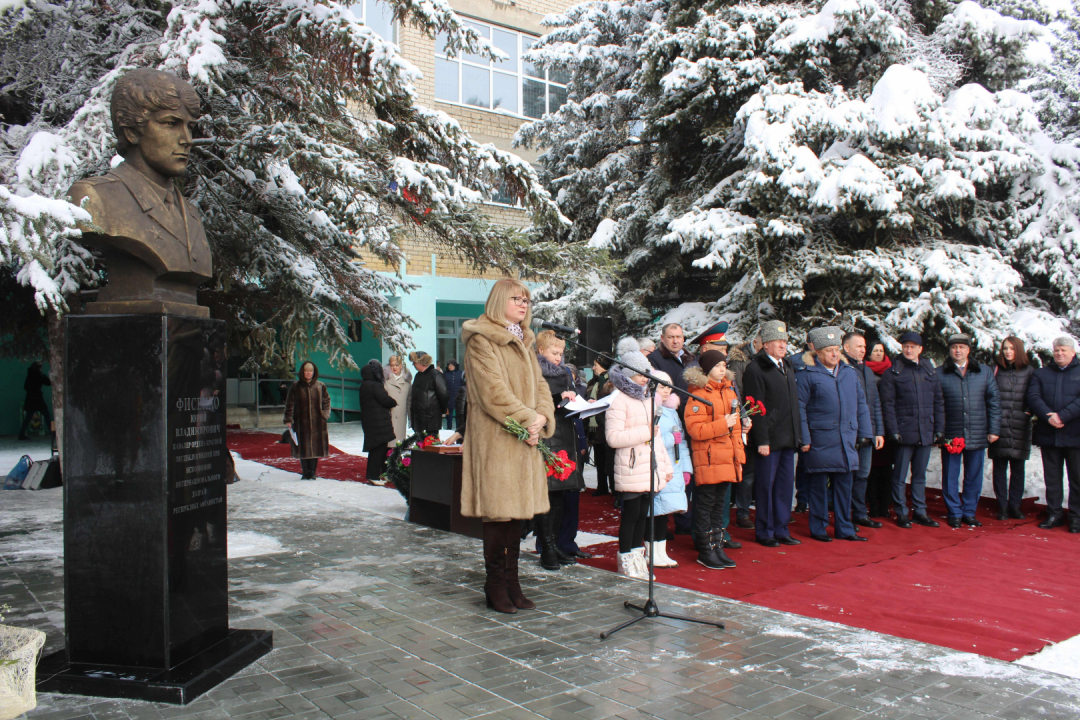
512	540
495	562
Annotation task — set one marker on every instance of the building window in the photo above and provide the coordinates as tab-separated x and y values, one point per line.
376	15
511	86
450	346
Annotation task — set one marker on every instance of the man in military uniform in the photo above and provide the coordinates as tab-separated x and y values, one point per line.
152	240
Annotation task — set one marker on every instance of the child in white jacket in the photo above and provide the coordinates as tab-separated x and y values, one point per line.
629	429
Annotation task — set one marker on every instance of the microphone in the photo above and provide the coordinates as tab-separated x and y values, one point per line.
552	326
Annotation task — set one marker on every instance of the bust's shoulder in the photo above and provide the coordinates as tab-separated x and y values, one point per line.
97	191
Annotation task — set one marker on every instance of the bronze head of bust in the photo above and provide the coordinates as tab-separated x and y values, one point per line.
153	241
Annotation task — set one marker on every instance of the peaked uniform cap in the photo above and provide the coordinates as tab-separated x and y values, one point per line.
714	333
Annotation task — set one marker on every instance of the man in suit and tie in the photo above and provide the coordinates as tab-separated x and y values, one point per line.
152	240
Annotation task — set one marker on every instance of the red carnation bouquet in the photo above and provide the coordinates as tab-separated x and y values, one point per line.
751	407
955	446
558	464
428	442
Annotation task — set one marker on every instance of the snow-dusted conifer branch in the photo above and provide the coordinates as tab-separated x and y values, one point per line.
822	162
313	154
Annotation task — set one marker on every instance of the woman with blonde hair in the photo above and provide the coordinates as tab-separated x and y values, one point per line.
504	480
399	386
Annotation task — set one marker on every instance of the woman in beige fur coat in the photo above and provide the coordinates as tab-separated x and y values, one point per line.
504	480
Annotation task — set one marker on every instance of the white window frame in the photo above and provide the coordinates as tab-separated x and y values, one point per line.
493	68
361	5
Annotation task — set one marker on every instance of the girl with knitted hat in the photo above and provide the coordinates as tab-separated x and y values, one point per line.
716	432
629	429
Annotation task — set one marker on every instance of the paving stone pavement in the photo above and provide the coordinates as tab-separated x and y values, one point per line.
377	618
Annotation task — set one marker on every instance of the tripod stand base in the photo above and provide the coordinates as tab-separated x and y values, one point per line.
651	610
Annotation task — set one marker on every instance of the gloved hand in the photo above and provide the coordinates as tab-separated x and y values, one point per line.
897	439
862	442
678	437
939	439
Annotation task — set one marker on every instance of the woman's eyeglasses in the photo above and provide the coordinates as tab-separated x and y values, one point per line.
520	301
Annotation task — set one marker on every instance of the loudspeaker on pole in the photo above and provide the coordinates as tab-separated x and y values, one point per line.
597	334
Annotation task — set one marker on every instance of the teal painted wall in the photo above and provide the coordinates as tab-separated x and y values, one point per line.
13	373
456	309
369	348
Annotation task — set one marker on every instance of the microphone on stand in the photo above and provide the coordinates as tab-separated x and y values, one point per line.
537	322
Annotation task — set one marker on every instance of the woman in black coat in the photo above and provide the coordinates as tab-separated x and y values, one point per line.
1012	371
375	404
549	353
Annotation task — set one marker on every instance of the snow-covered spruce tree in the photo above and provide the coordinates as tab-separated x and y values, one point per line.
312	152
854	161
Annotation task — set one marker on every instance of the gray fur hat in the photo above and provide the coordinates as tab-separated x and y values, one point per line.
824	337
629	352
773	330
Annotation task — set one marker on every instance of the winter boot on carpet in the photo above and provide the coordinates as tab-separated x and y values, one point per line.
495	559
707	551
511	537
660	556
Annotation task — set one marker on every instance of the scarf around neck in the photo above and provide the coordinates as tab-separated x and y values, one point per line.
516	331
879	366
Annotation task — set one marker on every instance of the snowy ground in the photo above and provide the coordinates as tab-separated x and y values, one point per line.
299	498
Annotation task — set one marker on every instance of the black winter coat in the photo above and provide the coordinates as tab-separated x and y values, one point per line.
1015	435
781	426
595	428
35	380
429	401
454	378
661	359
972	404
461	408
375	404
1053	389
869	381
911	401
560	380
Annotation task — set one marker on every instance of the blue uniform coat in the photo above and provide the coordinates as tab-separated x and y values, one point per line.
972	404
911	401
1054	389
834	415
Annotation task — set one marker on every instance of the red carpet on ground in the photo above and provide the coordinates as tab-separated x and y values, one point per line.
263	447
1003	590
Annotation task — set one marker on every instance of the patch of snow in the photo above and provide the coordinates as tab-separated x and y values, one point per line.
246	543
1062	658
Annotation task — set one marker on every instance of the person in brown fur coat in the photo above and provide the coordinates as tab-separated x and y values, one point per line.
504	480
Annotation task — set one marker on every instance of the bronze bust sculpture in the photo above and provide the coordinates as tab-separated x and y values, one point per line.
153	241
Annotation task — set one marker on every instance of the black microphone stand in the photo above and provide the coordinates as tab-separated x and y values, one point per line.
649	609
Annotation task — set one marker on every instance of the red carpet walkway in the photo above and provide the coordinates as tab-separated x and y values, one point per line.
263	447
1004	590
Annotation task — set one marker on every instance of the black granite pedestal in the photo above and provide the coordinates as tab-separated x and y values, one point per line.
145	563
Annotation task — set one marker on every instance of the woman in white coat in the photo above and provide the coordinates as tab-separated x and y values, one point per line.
399	386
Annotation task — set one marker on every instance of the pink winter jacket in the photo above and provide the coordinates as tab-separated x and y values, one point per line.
628	430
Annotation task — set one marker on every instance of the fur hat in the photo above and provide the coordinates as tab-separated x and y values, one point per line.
630	354
773	330
824	337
